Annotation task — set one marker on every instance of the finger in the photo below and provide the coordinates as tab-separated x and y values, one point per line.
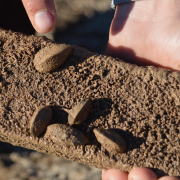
142	174
169	178
42	14
114	174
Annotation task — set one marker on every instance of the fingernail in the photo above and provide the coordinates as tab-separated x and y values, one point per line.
43	20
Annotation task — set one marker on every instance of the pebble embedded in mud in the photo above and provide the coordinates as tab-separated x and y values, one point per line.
40	120
80	112
65	135
51	57
110	140
2	84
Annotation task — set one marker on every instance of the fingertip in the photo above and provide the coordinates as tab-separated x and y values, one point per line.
114	174
103	173
44	21
141	174
42	14
169	178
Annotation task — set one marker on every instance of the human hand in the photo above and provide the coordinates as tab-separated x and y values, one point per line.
135	174
147	33
42	14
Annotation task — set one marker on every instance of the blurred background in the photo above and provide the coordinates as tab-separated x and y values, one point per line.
80	22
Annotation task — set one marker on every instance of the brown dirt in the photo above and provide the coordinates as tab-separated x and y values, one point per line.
140	103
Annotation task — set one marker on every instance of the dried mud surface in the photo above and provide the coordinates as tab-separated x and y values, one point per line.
140	103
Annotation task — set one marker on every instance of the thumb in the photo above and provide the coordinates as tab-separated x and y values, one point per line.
42	14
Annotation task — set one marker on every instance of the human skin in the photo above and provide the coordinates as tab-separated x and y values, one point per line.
147	33
143	32
135	174
42	14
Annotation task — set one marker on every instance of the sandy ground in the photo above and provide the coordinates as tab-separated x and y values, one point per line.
80	22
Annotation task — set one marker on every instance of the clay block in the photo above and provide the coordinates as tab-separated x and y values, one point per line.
142	104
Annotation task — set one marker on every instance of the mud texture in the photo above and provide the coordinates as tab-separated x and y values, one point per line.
141	104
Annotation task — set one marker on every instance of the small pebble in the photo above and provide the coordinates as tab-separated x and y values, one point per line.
110	140
50	58
2	84
65	135
40	120
80	112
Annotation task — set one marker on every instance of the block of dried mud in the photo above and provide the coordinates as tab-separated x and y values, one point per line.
110	140
145	105
80	112
51	57
65	135
40	120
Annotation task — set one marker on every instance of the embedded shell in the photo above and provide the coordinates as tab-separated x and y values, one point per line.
40	120
80	112
65	135
51	57
110	140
